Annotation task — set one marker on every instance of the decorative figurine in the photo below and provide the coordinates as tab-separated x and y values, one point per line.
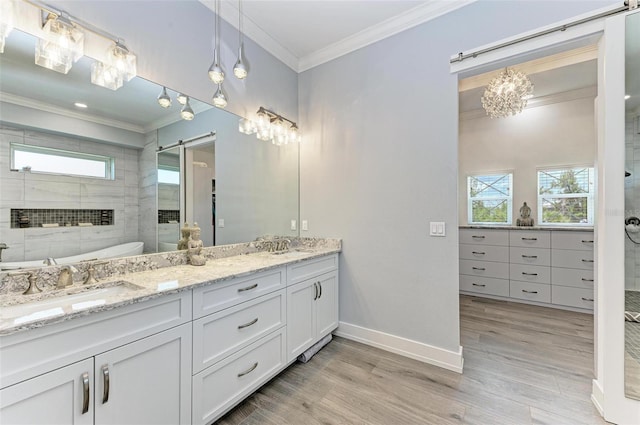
525	216
185	231
194	247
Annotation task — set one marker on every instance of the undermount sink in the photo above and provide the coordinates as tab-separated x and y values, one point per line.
66	302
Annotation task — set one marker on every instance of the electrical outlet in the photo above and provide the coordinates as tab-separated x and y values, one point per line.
305	225
221	222
293	225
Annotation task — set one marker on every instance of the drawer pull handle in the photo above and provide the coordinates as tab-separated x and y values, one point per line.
529	292
478	268
529	239
85	392
477	237
315	288
529	274
248	288
586	241
248	371
246	325
105	379
587	280
587	299
587	261
529	256
477	284
478	252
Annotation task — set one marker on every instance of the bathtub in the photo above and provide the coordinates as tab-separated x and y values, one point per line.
123	250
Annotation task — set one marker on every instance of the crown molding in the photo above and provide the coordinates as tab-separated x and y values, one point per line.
46	107
567	96
409	19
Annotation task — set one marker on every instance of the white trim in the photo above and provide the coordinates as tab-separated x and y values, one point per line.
597	397
450	360
521	301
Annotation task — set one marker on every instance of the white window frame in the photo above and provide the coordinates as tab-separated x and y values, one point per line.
590	195
109	162
169	168
508	198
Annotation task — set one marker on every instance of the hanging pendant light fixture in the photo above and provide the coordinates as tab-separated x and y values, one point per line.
182	98
240	69
7	19
507	94
62	45
163	99
186	112
220	98
216	74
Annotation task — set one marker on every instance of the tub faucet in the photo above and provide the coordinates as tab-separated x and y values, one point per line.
66	277
50	261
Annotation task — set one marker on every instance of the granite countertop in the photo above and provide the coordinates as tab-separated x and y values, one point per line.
560	228
22	312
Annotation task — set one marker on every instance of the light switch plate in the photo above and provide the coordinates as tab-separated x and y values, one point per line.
437	228
294	225
221	222
305	225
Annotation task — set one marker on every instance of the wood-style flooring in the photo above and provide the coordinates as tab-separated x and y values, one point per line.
523	365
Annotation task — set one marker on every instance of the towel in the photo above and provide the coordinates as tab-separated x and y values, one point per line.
306	356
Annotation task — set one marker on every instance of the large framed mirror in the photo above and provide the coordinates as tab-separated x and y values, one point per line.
632	207
57	214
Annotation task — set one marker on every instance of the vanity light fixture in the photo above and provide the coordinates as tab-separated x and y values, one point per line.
182	98
220	98
186	112
62	45
271	126
163	99
240	69
119	65
7	18
507	94
216	74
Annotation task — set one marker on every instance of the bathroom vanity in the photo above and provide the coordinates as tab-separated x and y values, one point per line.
184	347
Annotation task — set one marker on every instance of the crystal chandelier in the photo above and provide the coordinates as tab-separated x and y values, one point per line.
507	94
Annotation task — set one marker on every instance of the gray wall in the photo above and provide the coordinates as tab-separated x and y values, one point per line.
379	161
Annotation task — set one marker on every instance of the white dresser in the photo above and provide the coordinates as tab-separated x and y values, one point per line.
542	266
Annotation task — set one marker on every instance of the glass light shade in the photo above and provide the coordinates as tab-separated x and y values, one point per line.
263	120
216	74
186	112
246	126
124	62
278	127
7	19
106	76
240	69
219	98
507	94
163	99
263	134
294	134
182	98
62	44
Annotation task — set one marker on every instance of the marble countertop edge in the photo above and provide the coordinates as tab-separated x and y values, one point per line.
535	228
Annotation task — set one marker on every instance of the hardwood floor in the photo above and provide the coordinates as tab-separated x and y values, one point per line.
523	365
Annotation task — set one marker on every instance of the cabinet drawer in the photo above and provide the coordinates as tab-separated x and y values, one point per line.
484	237
484	268
530	238
308	269
572	297
219	387
484	252
528	273
571	258
213	298
576	278
218	335
530	291
484	285
534	256
583	241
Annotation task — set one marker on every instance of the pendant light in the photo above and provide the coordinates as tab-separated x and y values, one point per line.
182	98
240	69
163	99
216	74
186	112
220	98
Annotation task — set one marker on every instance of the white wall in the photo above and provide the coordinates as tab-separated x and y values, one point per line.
558	134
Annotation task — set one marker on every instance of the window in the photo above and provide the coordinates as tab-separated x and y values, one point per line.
565	196
168	175
489	198
57	161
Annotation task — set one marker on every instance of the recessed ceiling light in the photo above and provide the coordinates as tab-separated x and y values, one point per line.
627	97
80	105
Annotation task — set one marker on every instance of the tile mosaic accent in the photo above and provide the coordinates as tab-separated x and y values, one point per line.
166	216
22	218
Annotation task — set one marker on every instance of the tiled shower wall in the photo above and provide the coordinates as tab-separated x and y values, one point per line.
632	200
31	190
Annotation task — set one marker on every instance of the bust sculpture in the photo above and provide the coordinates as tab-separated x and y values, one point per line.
525	216
194	247
184	231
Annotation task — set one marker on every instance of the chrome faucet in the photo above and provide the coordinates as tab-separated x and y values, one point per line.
33	287
66	277
50	261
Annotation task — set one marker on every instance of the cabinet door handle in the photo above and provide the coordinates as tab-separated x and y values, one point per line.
85	392
529	292
477	284
478	252
587	261
586	241
587	299
246	325
248	288
529	274
478	268
477	237
320	285
315	288
246	372
105	387
529	239
529	256
587	280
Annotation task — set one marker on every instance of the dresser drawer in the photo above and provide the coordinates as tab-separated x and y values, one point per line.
528	273
530	238
571	258
484	269
218	335
576	278
572	297
308	269
484	237
484	285
530	291
213	298
220	386
583	241
533	256
484	252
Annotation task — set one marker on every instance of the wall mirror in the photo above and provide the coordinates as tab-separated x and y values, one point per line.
54	215
632	207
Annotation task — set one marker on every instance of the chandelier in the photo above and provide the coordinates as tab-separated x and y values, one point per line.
507	94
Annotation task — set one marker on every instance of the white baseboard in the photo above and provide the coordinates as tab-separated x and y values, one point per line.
446	359
597	396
